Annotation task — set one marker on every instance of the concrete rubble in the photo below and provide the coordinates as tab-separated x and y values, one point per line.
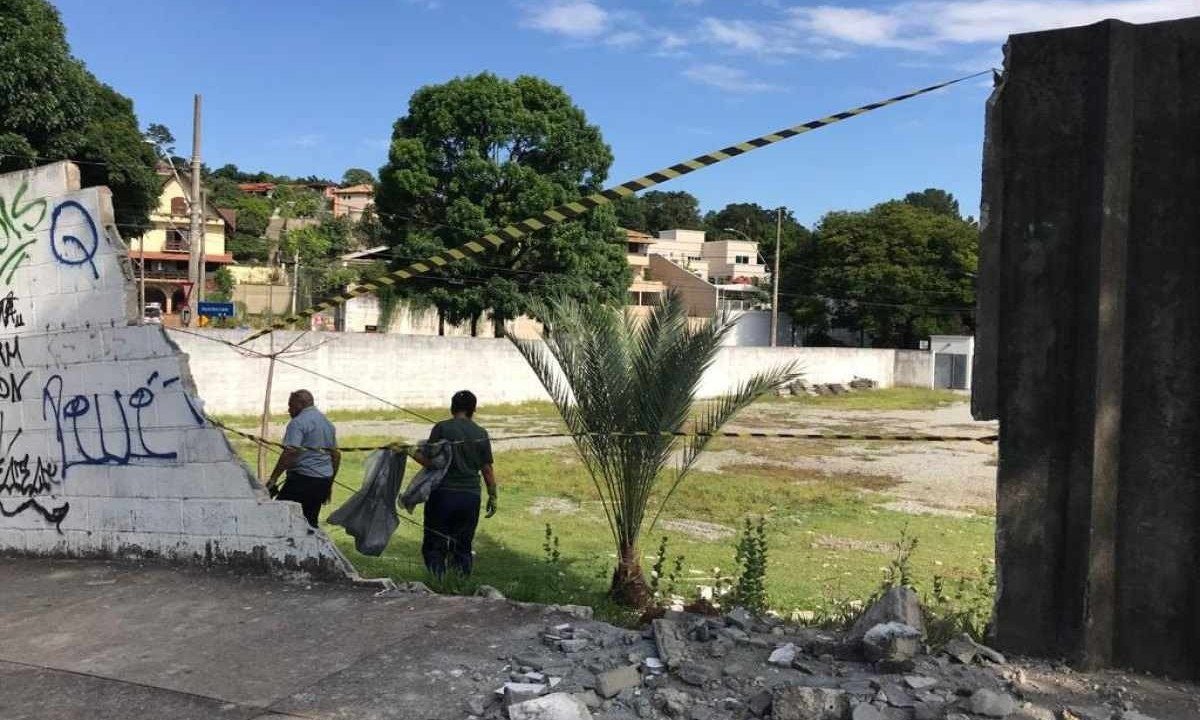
693	667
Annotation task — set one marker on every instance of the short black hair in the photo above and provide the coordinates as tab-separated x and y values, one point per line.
463	401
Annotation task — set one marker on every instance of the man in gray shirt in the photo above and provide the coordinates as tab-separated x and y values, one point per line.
310	473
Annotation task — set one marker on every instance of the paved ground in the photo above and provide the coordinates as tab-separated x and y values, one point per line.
93	641
101	641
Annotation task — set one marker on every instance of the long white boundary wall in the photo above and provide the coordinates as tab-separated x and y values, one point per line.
416	370
105	448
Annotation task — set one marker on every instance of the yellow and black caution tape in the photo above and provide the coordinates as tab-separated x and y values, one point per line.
409	447
574	209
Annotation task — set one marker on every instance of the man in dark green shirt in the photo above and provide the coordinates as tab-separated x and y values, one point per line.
452	511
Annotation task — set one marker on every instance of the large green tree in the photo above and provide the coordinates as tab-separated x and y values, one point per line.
656	210
897	272
935	199
52	108
357	176
477	153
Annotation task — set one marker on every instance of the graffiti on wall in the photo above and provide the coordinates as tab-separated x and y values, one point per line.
74	236
22	474
19	219
106	428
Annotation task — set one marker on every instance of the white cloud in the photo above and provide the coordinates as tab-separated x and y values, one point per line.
727	78
578	19
624	38
736	34
933	25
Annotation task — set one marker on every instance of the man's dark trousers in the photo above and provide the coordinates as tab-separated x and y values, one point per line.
310	492
450	520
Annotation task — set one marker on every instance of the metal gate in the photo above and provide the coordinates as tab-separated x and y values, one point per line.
950	371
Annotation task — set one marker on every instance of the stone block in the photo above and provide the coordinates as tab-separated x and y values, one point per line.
556	706
791	702
609	684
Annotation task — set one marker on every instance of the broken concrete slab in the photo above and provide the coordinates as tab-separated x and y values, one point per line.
892	642
792	702
672	643
990	703
557	706
897	605
609	684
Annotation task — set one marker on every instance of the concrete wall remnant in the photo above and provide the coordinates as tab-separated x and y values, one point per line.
1088	339
106	451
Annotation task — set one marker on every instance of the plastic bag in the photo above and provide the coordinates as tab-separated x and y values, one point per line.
369	516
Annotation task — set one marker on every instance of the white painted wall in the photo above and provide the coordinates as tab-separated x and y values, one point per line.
105	449
413	370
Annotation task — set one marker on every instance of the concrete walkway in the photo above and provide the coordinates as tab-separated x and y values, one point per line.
98	641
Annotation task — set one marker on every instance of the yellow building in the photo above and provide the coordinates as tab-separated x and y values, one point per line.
160	257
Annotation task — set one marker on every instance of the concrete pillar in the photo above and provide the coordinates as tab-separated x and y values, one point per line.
1089	343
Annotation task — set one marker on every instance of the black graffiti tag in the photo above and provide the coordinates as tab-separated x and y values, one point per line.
71	249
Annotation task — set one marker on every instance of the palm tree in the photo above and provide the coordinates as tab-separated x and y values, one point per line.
625	388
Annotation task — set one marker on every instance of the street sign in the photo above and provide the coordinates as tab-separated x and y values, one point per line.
215	309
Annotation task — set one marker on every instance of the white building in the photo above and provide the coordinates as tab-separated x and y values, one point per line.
685	248
734	261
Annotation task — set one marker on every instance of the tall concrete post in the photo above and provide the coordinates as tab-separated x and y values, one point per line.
196	234
1089	343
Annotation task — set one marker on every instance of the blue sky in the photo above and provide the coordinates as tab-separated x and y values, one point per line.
300	87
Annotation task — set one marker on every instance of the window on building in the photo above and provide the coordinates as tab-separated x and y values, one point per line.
179	206
742	259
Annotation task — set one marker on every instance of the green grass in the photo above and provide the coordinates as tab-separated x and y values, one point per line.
828	537
889	399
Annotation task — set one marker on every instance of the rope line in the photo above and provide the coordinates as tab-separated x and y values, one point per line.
576	208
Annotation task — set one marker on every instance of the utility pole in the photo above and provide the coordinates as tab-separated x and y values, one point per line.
142	277
195	261
775	281
200	287
295	277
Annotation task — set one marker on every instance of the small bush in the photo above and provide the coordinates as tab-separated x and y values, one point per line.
663	593
550	548
960	606
750	584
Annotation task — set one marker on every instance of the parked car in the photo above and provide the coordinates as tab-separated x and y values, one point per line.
152	314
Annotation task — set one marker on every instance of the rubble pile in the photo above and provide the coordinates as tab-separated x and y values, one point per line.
692	667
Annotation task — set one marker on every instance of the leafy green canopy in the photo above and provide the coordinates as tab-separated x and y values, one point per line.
480	152
657	210
52	108
899	272
622	385
759	224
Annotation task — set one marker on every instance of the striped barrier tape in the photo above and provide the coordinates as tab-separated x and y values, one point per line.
571	210
408	447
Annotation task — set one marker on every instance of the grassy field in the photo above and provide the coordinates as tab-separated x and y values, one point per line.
829	539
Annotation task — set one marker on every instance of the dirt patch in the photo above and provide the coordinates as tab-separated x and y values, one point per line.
832	542
860	481
553	506
700	530
912	507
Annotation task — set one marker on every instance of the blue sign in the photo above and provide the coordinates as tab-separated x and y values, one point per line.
215	309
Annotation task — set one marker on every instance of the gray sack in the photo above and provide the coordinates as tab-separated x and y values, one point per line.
426	481
369	516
